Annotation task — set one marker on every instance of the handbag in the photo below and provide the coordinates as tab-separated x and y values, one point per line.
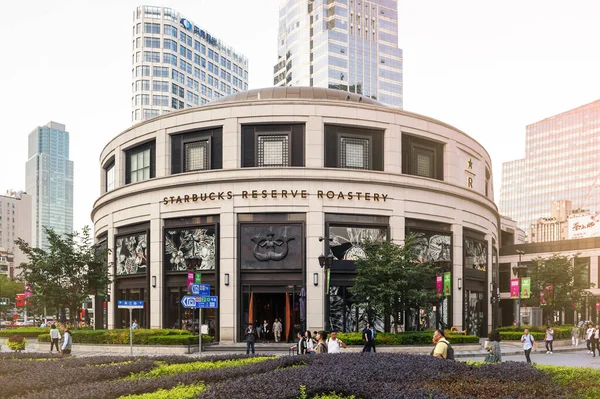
491	358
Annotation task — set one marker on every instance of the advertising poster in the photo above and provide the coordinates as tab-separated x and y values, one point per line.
190	279
439	285
525	287
514	288
447	284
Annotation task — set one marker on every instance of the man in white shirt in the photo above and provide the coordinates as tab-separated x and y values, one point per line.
588	338
334	344
277	328
528	344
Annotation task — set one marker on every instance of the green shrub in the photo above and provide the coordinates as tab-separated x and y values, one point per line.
581	382
180	391
516	336
16	343
140	337
29	332
407	338
560	332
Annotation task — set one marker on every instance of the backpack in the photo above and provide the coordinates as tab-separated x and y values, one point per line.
449	352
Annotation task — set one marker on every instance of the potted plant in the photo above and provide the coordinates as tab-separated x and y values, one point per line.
16	343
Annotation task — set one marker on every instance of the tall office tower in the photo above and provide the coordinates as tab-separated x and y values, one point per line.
176	64
346	45
15	222
49	181
561	163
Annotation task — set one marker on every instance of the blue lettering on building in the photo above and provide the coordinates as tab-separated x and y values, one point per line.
197	31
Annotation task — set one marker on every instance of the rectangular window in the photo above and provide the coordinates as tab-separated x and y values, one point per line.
177	90
140	163
169	44
273	150
422	157
110	176
160	72
158	85
170	59
152	42
170	31
151	56
196	155
354	153
152	28
162	101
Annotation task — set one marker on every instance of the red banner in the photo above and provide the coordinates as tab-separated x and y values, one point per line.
515	288
20	300
597	305
439	286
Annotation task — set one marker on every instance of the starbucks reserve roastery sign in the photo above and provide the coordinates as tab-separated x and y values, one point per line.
279	194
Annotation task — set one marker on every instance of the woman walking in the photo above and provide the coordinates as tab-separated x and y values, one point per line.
54	338
495	352
549	339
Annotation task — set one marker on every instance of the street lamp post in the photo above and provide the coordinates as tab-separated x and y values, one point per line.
521	271
325	261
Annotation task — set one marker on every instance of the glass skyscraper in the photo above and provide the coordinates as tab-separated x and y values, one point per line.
49	181
349	45
561	163
176	64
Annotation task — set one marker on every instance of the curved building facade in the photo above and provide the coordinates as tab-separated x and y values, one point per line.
238	192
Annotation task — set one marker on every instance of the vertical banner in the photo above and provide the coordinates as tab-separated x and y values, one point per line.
525	287
328	279
439	285
447	284
190	280
542	299
514	288
198	278
597	305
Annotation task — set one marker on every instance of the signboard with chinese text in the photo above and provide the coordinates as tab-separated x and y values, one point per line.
514	288
447	284
525	287
439	285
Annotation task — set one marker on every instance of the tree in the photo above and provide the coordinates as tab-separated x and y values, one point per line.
67	273
9	288
558	283
391	281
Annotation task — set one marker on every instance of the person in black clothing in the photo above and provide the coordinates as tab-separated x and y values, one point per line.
250	338
301	345
368	338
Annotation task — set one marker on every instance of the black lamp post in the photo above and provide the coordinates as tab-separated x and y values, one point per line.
325	261
520	271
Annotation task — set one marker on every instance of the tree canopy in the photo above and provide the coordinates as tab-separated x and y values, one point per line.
391	281
9	288
65	274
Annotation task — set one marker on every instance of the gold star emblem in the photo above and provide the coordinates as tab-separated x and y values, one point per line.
470	163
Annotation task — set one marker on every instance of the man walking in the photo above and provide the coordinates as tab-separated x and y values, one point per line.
373	336
334	344
589	337
277	327
528	344
368	338
250	338
575	335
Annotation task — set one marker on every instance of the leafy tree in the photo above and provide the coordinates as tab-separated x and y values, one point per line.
63	276
391	281
9	288
561	281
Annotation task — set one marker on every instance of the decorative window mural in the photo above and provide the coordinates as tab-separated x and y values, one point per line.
476	254
348	242
131	254
189	249
432	247
265	246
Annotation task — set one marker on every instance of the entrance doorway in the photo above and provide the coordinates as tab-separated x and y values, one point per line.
259	306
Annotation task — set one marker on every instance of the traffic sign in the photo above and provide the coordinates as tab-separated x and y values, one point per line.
130	304
200	302
200	289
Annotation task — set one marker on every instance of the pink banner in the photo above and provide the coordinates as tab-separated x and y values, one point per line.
439	285
190	279
515	288
597	305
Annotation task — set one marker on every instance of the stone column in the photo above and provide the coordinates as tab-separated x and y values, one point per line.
490	278
228	294
315	294
231	144
112	290
155	296
457	273
314	142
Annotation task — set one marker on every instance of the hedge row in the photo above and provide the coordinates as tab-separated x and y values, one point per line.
407	338
140	337
29	332
560	332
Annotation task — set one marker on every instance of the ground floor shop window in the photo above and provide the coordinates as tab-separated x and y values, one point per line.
139	315
179	317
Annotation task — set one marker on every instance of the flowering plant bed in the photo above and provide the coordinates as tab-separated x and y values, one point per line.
340	376
16	343
140	337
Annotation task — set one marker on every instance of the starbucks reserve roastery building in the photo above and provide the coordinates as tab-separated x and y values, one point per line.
241	189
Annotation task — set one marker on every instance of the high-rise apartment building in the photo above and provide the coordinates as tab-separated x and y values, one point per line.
176	64
15	222
7	263
561	163
49	181
349	45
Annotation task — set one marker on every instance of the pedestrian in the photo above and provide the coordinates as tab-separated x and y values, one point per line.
334	344
135	324
250	338
277	328
321	343
301	345
265	330
596	340
528	344
67	341
575	335
588	337
373	336
495	352
54	338
309	342
367	334
441	344
549	338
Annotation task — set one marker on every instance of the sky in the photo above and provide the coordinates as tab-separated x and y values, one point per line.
487	68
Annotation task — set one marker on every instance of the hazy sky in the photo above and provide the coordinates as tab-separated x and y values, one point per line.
487	68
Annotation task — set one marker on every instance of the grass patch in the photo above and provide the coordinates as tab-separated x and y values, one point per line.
164	369
180	392
582	382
